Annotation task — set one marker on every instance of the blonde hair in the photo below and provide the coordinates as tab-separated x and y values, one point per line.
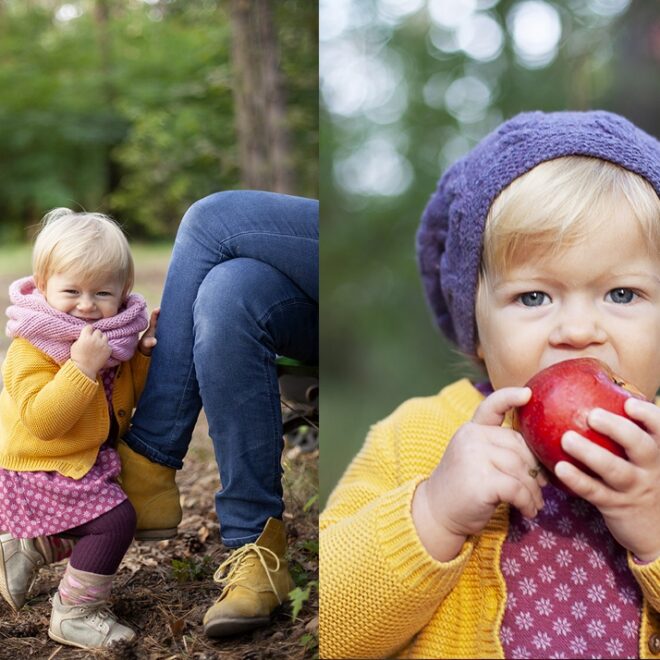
558	203
87	244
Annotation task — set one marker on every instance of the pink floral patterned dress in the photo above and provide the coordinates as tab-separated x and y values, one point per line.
570	593
44	503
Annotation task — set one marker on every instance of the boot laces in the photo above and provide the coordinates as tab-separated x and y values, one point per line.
95	613
97	616
234	568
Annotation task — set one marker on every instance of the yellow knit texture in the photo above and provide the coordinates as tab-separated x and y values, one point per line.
53	417
382	594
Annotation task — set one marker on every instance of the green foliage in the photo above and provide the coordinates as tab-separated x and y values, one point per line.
299	596
311	547
192	569
134	115
311	502
310	642
180	142
298	573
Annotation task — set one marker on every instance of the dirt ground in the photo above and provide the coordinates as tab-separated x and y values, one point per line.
163	589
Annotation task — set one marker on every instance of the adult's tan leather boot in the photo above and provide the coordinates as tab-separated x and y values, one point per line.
256	580
152	490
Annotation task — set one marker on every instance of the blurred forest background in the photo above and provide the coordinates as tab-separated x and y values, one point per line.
139	107
407	87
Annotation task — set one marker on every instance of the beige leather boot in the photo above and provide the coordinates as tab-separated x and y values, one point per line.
152	490
256	580
19	563
91	625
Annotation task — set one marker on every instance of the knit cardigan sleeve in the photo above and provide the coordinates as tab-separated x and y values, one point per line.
648	578
648	575
139	369
379	585
50	399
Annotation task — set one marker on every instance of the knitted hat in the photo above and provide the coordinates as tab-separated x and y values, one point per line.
449	238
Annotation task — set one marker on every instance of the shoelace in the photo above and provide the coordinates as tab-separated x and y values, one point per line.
100	611
235	567
97	617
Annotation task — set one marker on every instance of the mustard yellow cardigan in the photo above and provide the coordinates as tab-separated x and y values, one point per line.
381	593
54	417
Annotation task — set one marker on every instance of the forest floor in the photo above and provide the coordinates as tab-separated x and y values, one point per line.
163	589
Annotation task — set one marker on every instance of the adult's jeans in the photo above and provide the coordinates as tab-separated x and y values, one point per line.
242	287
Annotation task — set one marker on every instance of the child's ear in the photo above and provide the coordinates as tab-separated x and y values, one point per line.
40	284
480	351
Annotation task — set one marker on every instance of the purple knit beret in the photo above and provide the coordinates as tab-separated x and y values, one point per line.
449	238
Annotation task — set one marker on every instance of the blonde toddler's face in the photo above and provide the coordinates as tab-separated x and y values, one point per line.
90	300
599	298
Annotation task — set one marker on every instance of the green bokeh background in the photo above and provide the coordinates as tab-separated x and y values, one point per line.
378	344
127	107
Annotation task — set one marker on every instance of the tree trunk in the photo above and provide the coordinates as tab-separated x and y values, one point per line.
263	138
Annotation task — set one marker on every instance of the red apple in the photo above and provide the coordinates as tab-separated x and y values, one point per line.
562	396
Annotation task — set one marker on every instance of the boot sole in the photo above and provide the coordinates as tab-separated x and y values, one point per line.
227	627
61	640
4	590
155	534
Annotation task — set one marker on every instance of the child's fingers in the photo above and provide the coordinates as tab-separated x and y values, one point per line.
87	331
639	446
511	464
645	412
616	472
513	441
492	410
583	485
153	322
513	492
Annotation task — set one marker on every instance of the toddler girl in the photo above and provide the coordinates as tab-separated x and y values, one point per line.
443	539
72	376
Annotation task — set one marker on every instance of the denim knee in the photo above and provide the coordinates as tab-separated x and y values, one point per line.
236	297
229	204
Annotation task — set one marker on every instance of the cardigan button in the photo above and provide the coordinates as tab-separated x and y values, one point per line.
654	644
121	412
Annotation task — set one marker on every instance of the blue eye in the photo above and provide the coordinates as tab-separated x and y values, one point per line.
621	296
533	298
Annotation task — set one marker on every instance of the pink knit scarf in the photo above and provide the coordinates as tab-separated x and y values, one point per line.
53	332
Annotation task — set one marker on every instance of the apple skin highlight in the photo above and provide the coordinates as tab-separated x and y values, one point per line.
562	397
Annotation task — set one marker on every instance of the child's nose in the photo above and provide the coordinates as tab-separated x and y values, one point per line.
85	302
578	326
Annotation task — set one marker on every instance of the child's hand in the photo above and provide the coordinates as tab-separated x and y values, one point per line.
90	351
148	339
629	494
484	465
